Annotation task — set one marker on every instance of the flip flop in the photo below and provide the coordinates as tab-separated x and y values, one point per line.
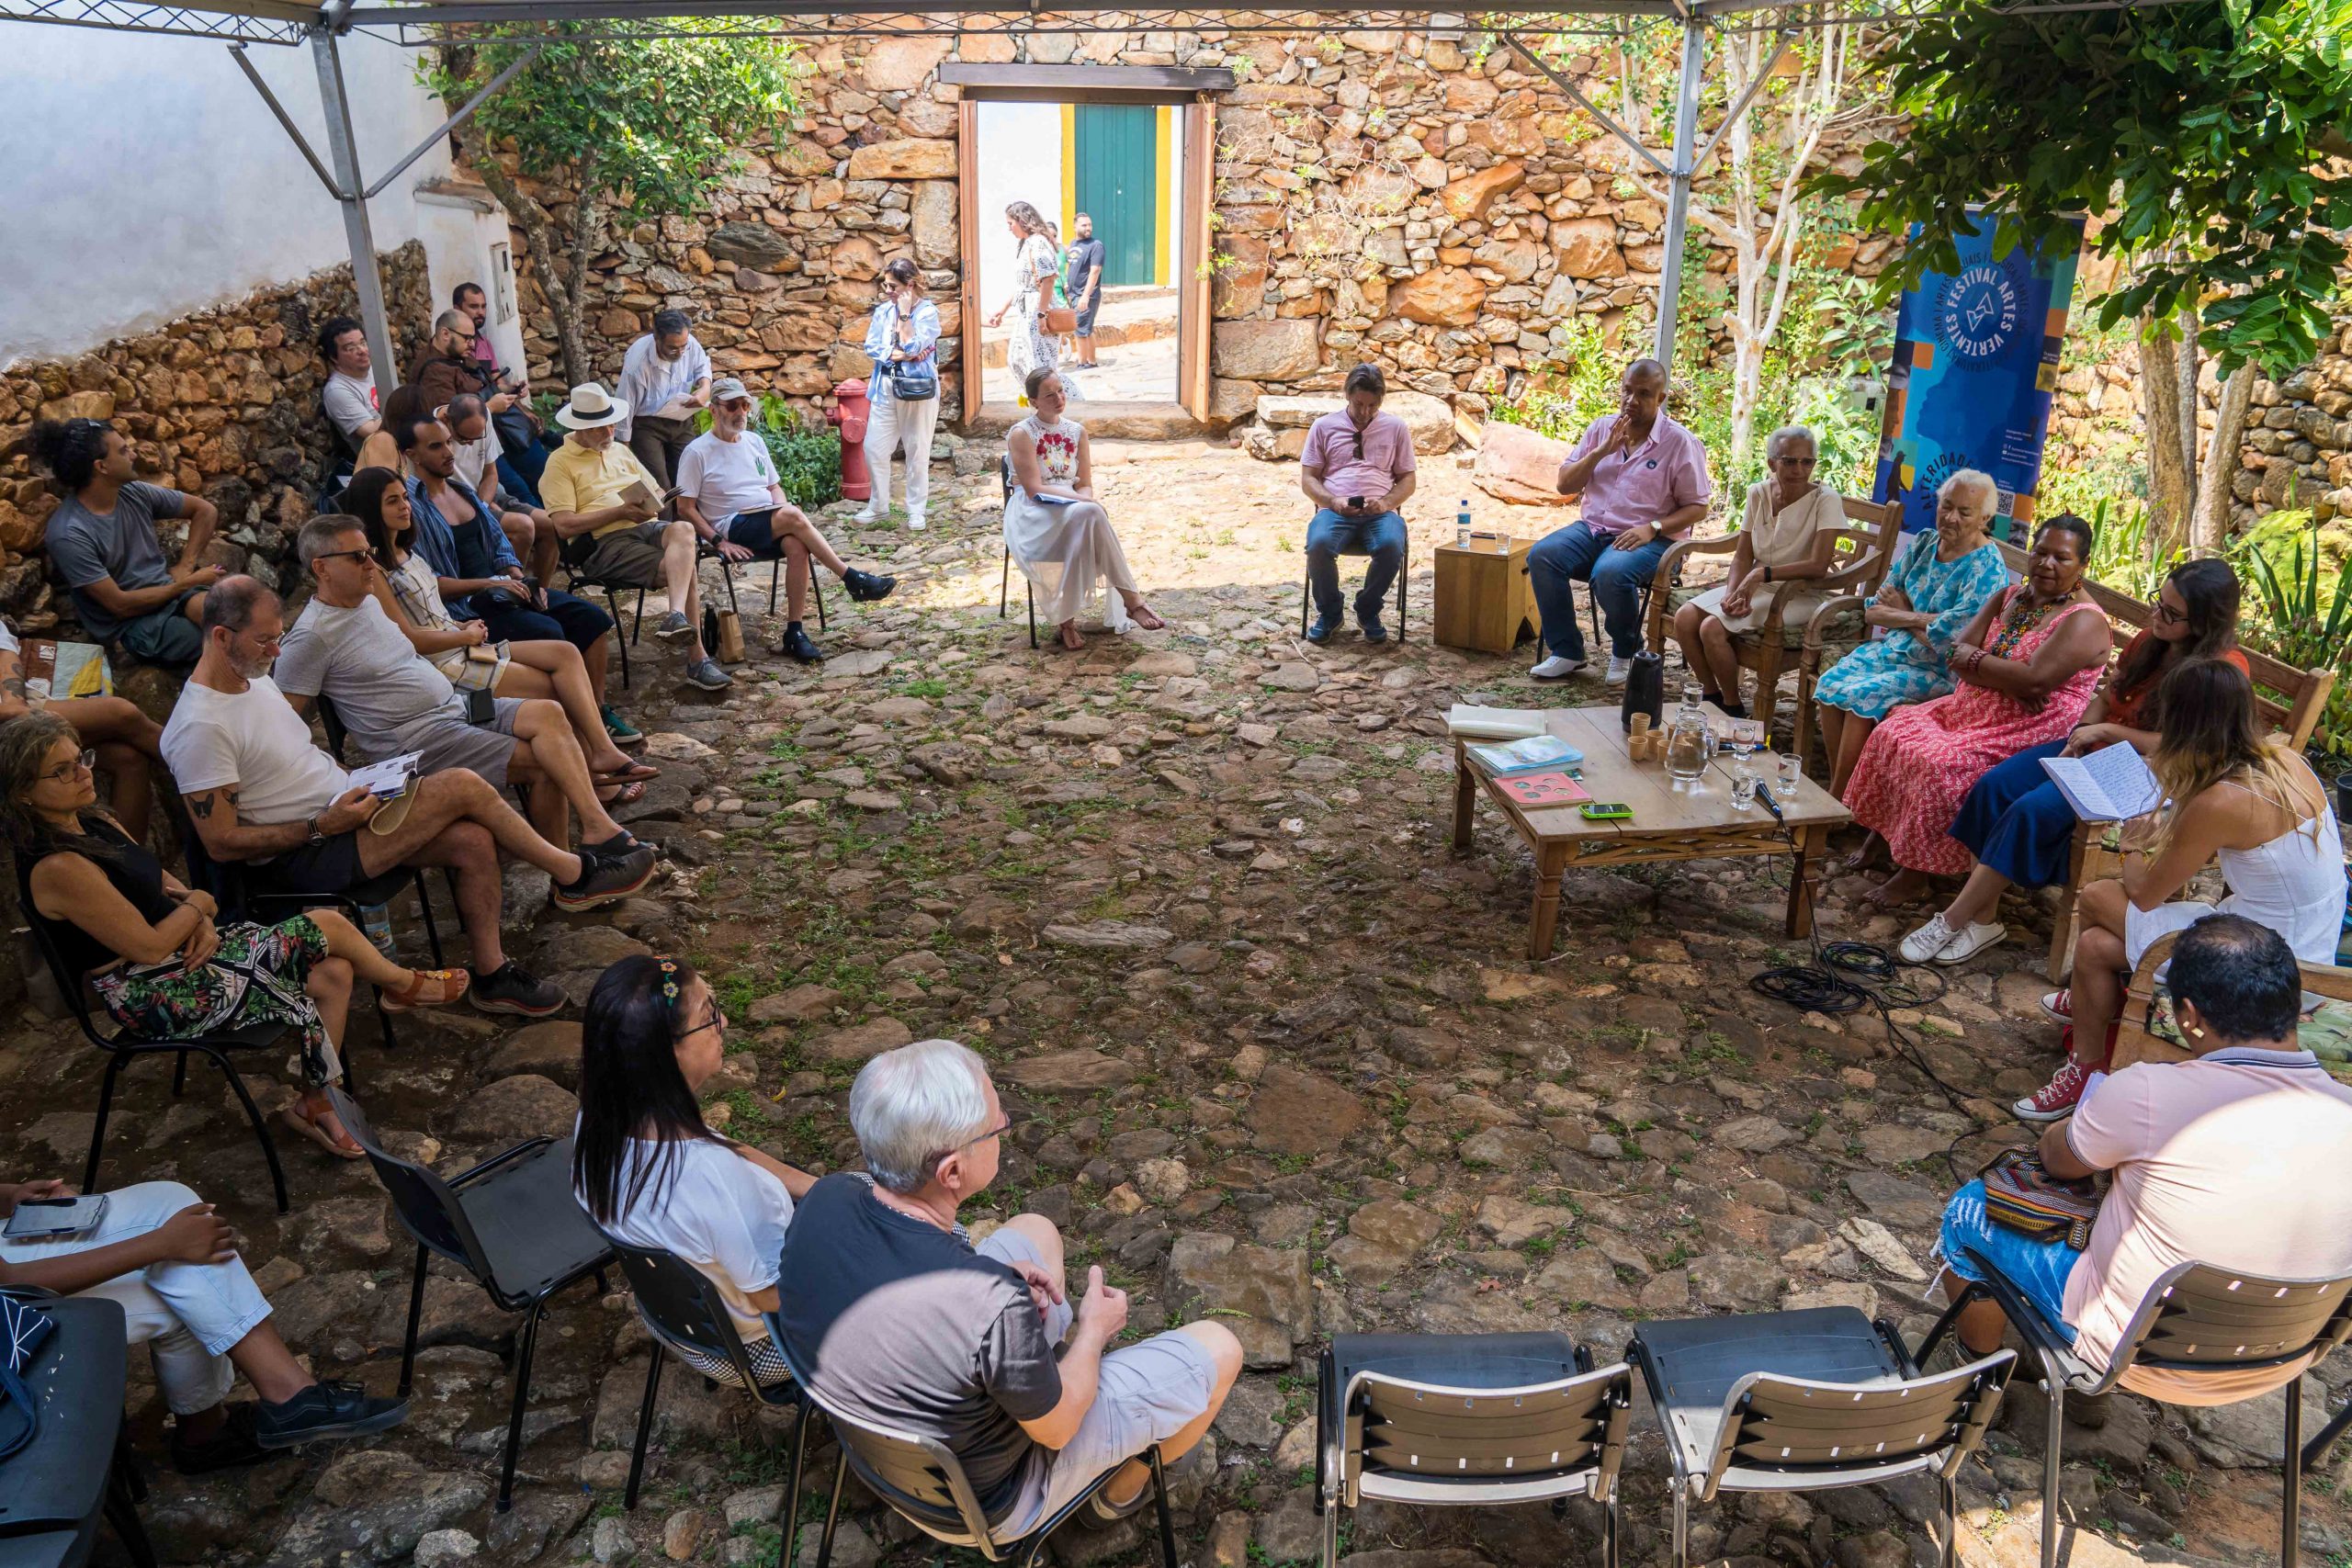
628	793
293	1121
627	772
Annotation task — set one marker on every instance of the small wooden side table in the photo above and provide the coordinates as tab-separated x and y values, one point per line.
1485	602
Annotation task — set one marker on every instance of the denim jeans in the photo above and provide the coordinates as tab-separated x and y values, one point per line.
187	1314
1615	577
1332	536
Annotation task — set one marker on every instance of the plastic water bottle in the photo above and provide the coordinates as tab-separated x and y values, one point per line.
1462	525
377	921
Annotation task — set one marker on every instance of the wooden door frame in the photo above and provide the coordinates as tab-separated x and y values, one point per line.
1193	260
967	261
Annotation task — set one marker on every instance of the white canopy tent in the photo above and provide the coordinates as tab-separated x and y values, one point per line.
1516	24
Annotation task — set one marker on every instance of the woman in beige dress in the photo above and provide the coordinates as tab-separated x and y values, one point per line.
1786	541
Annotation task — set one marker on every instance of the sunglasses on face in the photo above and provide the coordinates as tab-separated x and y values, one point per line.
342	555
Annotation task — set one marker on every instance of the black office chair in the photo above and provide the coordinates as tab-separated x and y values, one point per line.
78	1469
1004	575
1467	1420
572	555
686	1316
1802	1401
510	1222
123	1046
2194	1319
921	1479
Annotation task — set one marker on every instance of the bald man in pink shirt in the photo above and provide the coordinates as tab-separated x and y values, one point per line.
1644	480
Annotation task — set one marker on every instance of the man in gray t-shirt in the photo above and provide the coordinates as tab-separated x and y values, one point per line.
104	546
894	1317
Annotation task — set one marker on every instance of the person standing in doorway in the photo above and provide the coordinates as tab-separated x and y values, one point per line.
665	380
903	341
1032	348
1083	285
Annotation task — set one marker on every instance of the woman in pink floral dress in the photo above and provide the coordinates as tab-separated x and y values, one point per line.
2027	665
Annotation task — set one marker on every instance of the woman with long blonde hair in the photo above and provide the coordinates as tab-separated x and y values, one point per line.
2236	793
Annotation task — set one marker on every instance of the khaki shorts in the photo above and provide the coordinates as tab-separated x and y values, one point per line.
629	555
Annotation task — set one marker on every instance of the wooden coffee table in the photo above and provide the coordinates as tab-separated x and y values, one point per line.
1671	821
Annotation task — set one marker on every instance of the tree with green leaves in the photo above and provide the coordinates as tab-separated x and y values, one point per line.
634	127
2204	136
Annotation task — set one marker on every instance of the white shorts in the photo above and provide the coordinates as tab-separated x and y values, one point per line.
1146	1394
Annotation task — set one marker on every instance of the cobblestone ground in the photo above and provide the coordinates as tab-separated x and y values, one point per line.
1272	1052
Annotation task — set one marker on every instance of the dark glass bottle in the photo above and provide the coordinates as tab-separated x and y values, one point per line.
1646	691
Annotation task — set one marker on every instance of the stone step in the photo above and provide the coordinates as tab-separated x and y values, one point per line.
1105	420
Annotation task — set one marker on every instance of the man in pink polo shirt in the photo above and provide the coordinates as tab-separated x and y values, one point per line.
1357	468
1644	480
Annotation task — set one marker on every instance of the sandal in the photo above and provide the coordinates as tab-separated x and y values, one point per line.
291	1120
426	988
628	793
1142	616
629	769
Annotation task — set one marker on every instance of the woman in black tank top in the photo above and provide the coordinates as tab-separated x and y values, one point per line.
149	948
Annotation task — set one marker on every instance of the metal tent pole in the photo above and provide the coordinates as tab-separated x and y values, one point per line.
1678	208
343	152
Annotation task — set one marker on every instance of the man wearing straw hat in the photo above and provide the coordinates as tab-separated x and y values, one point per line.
607	509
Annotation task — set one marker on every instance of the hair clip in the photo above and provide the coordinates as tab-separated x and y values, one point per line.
669	967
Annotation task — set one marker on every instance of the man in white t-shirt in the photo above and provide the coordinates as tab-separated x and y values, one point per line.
728	489
262	794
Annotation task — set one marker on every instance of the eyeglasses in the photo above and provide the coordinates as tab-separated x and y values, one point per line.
998	1131
2169	616
63	771
342	555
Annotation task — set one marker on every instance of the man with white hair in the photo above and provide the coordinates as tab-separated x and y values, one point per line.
898	1319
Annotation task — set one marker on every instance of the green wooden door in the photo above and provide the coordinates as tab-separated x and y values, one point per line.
1118	164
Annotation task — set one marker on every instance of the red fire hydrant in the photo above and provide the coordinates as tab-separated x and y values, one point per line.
850	411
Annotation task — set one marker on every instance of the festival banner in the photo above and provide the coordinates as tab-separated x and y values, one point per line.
1975	363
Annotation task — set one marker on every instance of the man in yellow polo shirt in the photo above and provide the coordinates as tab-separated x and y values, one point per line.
584	488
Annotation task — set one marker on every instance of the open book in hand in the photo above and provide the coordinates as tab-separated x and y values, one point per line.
388	778
2110	785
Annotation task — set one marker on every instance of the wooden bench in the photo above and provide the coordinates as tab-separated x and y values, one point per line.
2292	700
1864	549
2143	1034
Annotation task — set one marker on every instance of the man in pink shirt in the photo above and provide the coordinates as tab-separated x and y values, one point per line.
1644	480
2227	1161
1357	468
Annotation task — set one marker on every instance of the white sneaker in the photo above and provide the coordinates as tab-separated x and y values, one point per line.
914	520
1966	945
1556	669
1618	669
867	518
1922	945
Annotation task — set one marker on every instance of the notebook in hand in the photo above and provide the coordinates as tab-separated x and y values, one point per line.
2110	785
1545	789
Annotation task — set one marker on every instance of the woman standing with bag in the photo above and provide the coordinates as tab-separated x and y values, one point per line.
1035	344
903	341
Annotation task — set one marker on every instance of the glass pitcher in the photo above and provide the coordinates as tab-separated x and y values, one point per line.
1686	738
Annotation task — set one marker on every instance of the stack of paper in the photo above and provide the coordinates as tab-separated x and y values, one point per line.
1471	723
2110	785
1534	753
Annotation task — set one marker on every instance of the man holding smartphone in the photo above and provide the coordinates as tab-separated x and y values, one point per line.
1357	468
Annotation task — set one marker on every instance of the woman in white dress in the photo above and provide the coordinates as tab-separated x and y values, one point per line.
1785	547
1032	348
1058	534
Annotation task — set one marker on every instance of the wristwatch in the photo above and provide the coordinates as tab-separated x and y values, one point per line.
318	834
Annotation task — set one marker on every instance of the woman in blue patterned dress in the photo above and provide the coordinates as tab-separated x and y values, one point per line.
1933	591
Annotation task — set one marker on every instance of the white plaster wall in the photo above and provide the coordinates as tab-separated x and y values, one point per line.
1020	159
144	178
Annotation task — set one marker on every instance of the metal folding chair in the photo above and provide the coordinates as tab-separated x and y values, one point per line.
1467	1420
1004	575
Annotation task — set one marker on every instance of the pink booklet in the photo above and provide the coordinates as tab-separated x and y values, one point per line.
1535	790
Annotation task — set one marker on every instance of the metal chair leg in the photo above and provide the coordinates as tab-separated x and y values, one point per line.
1609	1529
726	575
1005	584
1305	584
523	1354
637	617
612	602
179	1076
122	1512
114	1061
2052	1440
2315	1451
415	1315
1168	1523
2291	1503
644	1426
1404	570
1950	1495
384	1027
1031	589
816	591
1682	1525
1331	1506
432	928
803	1420
833	1510
252	1115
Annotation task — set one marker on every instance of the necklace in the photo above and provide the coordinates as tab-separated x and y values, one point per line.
2019	621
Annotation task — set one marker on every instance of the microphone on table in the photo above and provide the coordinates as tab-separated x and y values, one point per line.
1764	793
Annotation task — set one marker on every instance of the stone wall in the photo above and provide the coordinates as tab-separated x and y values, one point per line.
224	403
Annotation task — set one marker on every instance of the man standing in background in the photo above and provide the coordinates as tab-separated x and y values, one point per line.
1082	283
665	380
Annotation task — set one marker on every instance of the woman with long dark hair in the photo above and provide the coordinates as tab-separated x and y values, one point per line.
902	339
1034	269
2016	822
2234	793
650	1169
149	948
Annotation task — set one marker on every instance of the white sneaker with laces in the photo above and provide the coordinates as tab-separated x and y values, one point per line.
867	518
915	522
1965	945
1556	668
1618	669
1922	945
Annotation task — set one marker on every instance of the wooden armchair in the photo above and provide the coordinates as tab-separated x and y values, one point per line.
2292	700
2145	1031
1865	549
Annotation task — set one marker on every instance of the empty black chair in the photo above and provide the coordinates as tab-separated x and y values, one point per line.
2195	1318
75	1472
922	1480
510	1222
687	1317
1005	577
122	1046
1799	1401
1467	1420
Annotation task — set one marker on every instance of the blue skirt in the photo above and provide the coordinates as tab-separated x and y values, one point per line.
2015	822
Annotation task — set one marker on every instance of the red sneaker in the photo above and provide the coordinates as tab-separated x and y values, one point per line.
2059	1005
2056	1098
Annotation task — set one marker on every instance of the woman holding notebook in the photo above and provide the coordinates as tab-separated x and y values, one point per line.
2236	793
2016	821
